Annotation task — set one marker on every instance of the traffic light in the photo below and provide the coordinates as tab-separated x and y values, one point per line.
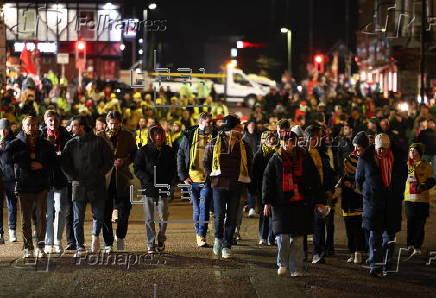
80	46
319	63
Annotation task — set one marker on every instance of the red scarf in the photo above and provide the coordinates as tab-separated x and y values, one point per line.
292	172
55	135
386	167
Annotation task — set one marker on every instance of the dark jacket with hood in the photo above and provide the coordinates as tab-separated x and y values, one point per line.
150	157
252	139
57	177
381	206
295	218
7	168
85	161
18	155
183	154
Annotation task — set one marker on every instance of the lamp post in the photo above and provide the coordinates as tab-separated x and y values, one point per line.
289	34
151	6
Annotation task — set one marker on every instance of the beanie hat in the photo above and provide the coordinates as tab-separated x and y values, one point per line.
382	141
420	147
361	139
4	123
230	122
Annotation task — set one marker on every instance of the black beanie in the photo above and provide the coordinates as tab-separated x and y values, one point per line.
361	139
230	122
418	147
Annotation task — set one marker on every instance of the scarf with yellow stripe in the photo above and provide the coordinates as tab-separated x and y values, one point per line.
243	167
193	154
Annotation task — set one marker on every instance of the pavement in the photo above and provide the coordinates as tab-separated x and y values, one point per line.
184	270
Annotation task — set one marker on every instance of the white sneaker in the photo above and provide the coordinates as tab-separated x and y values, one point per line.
296	274
80	253
40	253
120	244
357	258
226	253
108	249
58	249
12	236
217	246
95	244
48	249
252	213
350	259
28	253
282	271
263	242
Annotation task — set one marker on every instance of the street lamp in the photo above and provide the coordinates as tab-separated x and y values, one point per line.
152	6
289	33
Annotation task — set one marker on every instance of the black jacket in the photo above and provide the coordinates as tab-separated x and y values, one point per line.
253	140
149	157
294	218
87	159
57	177
381	206
428	138
183	153
7	168
260	162
18	155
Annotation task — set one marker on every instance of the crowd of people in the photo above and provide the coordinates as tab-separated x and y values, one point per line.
297	154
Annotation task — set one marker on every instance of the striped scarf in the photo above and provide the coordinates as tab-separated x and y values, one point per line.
385	164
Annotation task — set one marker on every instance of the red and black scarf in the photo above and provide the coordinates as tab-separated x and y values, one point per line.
292	174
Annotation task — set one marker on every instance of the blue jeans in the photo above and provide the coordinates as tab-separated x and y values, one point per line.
12	207
57	204
432	159
226	203
290	252
201	196
381	249
79	219
251	198
265	228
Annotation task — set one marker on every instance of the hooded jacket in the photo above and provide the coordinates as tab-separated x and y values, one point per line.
18	155
7	168
155	166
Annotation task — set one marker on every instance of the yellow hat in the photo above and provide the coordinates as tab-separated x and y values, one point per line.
113	95
137	95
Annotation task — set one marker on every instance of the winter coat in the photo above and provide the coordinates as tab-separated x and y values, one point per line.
155	166
253	140
381	205
7	168
294	218
126	150
85	161
260	162
57	177
183	153
18	155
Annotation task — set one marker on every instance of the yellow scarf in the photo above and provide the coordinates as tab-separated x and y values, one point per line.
193	154
243	168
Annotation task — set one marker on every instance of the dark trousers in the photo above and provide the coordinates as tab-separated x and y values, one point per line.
38	202
265	228
226	203
12	207
323	245
355	234
415	231
69	219
123	206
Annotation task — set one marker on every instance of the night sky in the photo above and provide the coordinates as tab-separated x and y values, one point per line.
200	32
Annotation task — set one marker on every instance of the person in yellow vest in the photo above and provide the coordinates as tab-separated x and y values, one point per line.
417	196
131	116
141	134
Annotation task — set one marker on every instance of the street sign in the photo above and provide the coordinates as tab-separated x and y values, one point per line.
62	58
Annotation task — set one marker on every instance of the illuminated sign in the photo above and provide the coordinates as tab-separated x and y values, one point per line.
43	47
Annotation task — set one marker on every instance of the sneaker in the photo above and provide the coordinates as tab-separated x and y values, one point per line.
12	236
40	253
2	240
80	252
282	271
238	236
151	250
58	249
226	253
115	215
160	246
95	245
28	253
263	242
120	244
107	249
201	241
48	249
317	260
296	274
217	247
350	259
357	258
252	213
